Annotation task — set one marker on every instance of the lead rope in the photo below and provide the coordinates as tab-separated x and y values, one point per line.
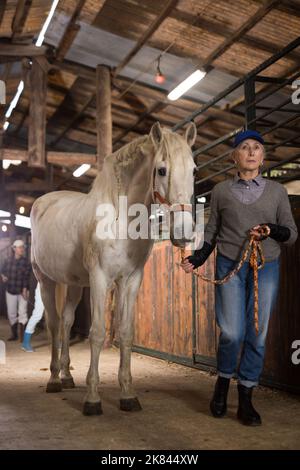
255	247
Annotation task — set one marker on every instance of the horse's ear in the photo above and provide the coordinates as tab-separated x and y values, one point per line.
191	133
156	134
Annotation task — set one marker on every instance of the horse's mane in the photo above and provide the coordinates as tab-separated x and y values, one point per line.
129	152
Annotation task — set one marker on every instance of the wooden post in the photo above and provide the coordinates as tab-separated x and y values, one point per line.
12	231
103	115
37	115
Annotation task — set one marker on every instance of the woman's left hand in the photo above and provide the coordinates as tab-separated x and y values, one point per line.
257	234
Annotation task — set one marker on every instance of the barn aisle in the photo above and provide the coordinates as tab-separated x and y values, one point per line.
174	398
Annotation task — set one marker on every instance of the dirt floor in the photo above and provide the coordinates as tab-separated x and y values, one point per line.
174	398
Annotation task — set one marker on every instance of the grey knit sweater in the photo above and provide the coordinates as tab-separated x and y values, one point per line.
230	220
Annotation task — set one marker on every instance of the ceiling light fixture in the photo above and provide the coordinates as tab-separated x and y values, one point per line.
159	77
186	85
81	170
41	36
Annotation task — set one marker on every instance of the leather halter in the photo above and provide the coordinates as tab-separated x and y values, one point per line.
175	207
162	200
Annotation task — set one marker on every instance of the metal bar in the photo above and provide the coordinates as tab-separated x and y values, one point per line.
283	143
215	174
233	133
220	157
296	145
273	90
287	160
218	141
214	160
250	109
275	165
260	78
272	110
282	110
239	82
284	121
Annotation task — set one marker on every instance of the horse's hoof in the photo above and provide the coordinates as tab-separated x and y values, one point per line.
130	404
54	387
90	409
68	383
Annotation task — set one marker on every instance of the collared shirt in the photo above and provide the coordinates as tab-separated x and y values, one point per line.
18	272
248	191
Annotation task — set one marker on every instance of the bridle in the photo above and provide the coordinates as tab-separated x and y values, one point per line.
178	207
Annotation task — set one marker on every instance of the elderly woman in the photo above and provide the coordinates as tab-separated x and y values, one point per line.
238	207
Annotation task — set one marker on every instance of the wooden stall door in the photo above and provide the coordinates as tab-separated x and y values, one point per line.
206	330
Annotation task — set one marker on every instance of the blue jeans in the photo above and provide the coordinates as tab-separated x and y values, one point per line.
235	317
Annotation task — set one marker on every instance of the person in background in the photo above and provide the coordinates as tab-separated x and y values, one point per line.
15	274
36	316
241	207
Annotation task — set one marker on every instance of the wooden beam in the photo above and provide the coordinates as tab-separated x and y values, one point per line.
56	158
70	31
154	109
291	7
24	187
37	116
103	114
249	24
22	10
70	159
156	23
14	154
225	31
73	120
71	108
17	50
2	9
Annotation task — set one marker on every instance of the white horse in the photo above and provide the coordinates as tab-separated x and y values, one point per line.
66	249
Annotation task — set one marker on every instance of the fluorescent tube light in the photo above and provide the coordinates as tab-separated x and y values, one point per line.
41	36
14	102
184	86
7	163
81	170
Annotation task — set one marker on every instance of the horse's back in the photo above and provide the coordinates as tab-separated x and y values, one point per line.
55	200
56	246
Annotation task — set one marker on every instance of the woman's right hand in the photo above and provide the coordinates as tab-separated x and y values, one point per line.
187	266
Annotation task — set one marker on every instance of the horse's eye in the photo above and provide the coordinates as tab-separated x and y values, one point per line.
162	171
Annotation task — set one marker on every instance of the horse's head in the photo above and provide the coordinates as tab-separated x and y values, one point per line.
173	178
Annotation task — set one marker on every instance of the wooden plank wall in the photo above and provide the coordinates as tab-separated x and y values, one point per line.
163	316
285	321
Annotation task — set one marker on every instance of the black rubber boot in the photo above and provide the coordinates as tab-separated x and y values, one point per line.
14	333
218	404
246	411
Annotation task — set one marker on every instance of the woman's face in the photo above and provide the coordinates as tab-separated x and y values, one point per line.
249	155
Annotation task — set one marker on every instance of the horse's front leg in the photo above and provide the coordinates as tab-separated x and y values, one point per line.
127	292
98	285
